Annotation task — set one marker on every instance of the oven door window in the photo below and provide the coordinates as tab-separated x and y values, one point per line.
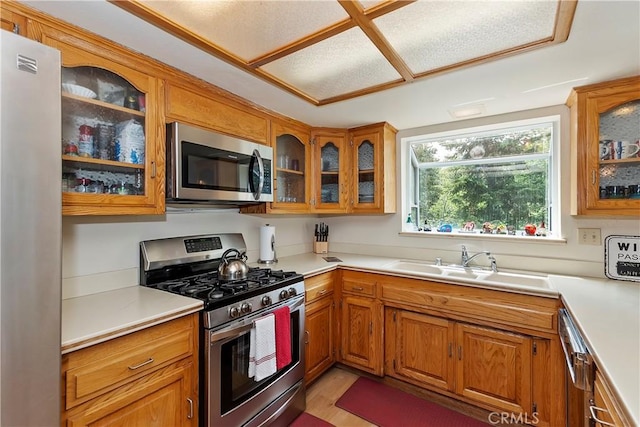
214	169
236	386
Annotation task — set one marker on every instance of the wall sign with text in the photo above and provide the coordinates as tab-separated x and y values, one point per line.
622	257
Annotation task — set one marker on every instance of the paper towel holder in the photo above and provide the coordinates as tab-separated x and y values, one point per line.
275	256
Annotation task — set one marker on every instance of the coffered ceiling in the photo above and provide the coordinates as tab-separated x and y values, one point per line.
603	44
328	51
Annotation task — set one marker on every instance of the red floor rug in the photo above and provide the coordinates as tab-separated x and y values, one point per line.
307	420
389	407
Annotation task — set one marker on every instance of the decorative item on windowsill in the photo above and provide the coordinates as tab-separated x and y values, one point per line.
501	229
487	228
542	229
409	225
530	230
468	227
511	230
445	228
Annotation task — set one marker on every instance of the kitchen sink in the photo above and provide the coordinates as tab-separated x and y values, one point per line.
518	279
414	266
474	275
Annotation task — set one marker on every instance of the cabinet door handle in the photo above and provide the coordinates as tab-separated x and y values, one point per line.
308	337
357	288
153	169
190	414
322	292
450	349
370	328
593	409
459	352
593	177
140	365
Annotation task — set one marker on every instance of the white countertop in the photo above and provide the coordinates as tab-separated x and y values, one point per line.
607	312
95	318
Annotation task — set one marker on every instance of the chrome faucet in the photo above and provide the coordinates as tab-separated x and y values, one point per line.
466	259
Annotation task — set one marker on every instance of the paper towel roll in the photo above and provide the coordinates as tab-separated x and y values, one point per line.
267	244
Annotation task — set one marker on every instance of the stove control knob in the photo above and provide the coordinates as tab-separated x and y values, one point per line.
234	312
266	300
292	292
284	294
246	307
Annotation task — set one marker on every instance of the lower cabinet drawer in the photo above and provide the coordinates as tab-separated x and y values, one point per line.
95	370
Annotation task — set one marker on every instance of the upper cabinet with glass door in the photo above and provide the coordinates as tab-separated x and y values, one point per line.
293	168
605	138
110	133
330	159
373	173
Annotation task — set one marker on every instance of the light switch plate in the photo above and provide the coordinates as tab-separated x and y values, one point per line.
589	236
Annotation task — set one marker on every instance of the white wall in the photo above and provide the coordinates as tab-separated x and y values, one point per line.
101	253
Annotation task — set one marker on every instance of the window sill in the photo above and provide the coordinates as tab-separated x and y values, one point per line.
494	237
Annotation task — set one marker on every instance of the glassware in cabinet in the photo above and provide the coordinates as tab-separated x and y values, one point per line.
365	179
291	153
619	152
330	173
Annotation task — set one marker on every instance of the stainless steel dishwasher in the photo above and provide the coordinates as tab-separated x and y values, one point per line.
580	372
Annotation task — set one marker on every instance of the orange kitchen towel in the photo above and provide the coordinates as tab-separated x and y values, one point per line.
262	348
283	337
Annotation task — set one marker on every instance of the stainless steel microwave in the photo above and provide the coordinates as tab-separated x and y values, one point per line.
205	167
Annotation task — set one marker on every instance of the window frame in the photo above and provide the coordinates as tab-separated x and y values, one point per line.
410	175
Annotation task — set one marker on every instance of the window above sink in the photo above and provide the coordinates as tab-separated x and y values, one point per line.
495	180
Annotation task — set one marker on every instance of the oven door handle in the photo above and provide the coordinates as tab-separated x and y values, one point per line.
237	330
234	331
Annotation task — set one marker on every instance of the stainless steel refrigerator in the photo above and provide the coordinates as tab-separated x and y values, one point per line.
30	232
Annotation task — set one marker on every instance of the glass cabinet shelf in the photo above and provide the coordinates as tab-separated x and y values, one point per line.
103	133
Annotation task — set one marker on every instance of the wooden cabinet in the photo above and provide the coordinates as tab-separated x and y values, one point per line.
497	350
330	162
320	324
146	377
420	348
354	170
200	106
112	132
605	144
373	171
483	365
361	323
292	156
340	171
494	367
605	410
13	21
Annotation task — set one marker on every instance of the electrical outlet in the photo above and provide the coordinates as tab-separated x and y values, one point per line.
589	236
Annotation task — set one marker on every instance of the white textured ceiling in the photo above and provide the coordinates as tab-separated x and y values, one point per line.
604	44
329	50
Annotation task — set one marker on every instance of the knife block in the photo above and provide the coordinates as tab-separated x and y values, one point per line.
320	247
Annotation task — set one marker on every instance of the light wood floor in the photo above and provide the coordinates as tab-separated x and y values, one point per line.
323	394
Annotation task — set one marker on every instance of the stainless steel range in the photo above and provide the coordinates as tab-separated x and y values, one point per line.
230	395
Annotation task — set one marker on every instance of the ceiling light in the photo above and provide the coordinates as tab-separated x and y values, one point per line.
467	111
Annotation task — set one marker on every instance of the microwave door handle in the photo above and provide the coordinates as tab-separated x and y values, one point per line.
258	158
